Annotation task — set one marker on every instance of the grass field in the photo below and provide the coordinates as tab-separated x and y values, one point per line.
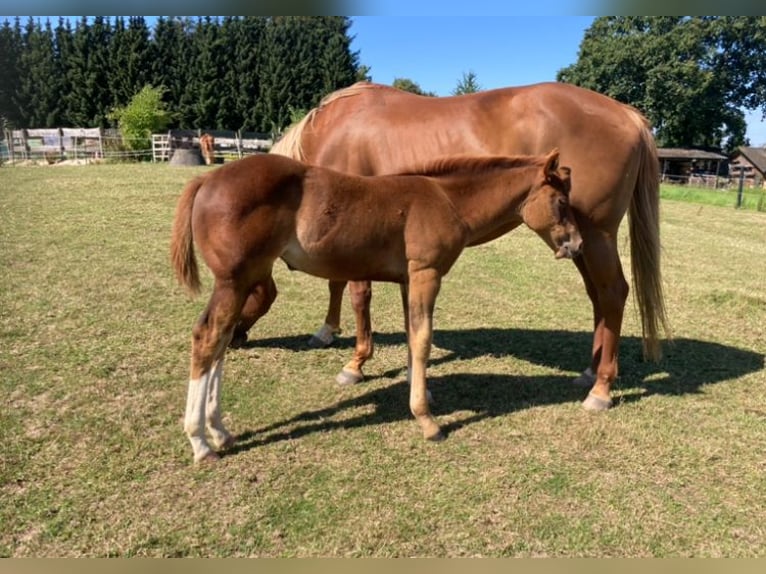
94	345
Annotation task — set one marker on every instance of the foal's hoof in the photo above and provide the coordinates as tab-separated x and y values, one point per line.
228	443
323	338
594	403
438	437
347	377
238	340
317	343
209	458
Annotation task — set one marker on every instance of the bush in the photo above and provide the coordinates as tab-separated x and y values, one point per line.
143	116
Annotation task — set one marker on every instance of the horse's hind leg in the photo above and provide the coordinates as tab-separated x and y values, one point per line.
325	336
361	297
210	337
608	289
220	437
256	306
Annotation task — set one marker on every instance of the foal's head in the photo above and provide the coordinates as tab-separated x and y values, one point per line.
547	212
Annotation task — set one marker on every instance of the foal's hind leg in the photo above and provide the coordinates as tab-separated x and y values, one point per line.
325	336
256	306
361	297
210	337
608	289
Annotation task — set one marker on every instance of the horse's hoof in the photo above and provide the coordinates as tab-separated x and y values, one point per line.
594	403
238	340
228	443
586	379
209	458
322	338
317	343
346	378
438	437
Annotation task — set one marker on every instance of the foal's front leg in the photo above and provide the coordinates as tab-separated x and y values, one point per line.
423	288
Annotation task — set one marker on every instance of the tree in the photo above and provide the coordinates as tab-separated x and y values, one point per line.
129	58
410	86
10	60
467	84
691	76
144	115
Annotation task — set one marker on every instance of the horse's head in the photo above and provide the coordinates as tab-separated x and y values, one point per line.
547	211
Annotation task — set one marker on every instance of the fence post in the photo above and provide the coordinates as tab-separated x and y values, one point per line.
741	187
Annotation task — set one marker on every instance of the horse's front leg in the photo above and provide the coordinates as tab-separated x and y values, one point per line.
361	297
423	288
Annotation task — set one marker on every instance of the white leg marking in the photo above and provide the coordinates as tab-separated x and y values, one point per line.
194	420
218	433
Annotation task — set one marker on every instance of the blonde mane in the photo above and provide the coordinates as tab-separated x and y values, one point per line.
290	143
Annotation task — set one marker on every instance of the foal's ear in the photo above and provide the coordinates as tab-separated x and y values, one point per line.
552	163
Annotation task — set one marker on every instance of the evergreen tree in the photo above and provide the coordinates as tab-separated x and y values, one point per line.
248	57
411	86
37	94
249	73
339	65
129	57
10	62
63	51
227	115
171	64
90	98
208	72
468	84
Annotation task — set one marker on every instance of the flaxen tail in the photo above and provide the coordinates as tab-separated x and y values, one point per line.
182	255
644	227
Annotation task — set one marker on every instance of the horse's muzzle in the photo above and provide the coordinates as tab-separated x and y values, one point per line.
569	249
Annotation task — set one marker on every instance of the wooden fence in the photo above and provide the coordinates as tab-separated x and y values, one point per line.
226	143
54	144
58	144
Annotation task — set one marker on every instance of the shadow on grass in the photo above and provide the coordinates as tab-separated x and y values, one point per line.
687	366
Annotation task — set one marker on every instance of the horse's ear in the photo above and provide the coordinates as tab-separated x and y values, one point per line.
565	175
552	163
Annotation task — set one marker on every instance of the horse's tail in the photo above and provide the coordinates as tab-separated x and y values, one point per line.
644	226
182	255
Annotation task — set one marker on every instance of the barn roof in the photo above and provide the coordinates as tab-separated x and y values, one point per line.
680	153
756	156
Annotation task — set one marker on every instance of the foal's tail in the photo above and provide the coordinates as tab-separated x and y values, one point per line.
182	256
644	226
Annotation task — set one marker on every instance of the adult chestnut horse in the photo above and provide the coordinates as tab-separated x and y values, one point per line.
407	229
373	129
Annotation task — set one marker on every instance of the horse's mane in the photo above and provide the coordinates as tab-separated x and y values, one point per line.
471	164
290	143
